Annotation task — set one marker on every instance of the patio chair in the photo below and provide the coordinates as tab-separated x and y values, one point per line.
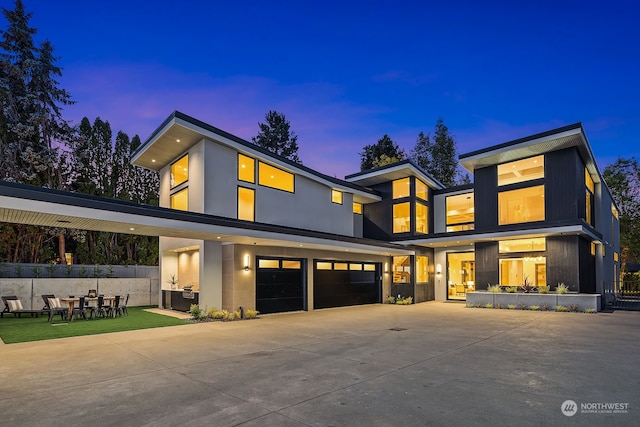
92	293
115	310
13	305
80	310
53	306
98	309
123	307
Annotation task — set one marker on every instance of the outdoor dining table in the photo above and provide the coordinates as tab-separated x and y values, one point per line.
71	302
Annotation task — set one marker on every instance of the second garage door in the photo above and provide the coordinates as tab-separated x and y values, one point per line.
342	283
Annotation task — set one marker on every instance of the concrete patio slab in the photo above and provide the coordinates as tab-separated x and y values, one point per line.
426	364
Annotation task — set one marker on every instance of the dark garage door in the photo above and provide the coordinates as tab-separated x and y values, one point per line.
339	284
280	285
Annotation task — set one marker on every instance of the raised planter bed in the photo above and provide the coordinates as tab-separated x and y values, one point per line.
582	301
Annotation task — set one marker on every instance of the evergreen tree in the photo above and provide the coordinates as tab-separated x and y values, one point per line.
438	157
383	152
276	136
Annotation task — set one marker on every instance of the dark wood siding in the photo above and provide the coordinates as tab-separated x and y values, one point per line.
377	217
486	198
425	291
563	261
587	268
487	268
564	185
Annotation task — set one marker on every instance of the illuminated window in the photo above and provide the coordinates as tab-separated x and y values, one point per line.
292	265
521	170
593	248
514	271
522	245
246	169
588	216
614	211
588	181
246	204
336	196
460	212
615	257
422	269
270	176
369	267
180	171
340	266
421	190
180	200
323	265
268	263
461	274
356	267
401	269
524	205
614	218
401	218
357	208
422	222
401	188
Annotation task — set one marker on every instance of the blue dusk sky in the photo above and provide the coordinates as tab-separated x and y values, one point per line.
345	73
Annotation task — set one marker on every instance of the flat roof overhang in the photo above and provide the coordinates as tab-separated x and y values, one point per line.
556	139
179	132
25	204
469	239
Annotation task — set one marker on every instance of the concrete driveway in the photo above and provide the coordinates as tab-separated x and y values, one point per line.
427	364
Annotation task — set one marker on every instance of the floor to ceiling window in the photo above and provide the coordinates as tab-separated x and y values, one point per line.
461	274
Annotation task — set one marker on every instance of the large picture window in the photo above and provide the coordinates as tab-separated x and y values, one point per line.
180	171
336	197
460	212
521	170
270	176
402	217
246	204
180	200
461	274
514	271
523	205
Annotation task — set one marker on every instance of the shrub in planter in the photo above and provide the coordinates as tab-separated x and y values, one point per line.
390	300
562	289
195	311
543	289
488	305
522	306
544	307
527	286
512	289
534	307
511	307
590	310
561	308
494	288
251	314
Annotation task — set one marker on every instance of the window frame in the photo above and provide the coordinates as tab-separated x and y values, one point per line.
173	195
504	192
337	194
172	183
253	172
513	165
262	184
253	192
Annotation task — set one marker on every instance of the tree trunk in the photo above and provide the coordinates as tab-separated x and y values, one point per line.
61	248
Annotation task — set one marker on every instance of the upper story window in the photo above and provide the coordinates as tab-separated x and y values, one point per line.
422	218
246	168
421	190
270	176
402	217
590	189
537	244
401	188
521	170
357	208
180	200
246	204
180	171
336	197
523	205
460	212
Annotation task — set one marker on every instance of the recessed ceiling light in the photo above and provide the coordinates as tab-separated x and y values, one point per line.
131	228
64	221
177	140
153	160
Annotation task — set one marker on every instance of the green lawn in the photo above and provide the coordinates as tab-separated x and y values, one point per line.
26	328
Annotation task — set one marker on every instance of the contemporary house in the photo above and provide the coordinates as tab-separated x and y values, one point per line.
285	237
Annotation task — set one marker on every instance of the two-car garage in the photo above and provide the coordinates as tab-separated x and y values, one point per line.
281	284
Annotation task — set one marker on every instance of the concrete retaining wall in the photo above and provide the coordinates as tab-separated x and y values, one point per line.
141	291
583	301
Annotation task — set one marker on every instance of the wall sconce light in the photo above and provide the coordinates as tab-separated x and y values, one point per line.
438	269
246	262
386	268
